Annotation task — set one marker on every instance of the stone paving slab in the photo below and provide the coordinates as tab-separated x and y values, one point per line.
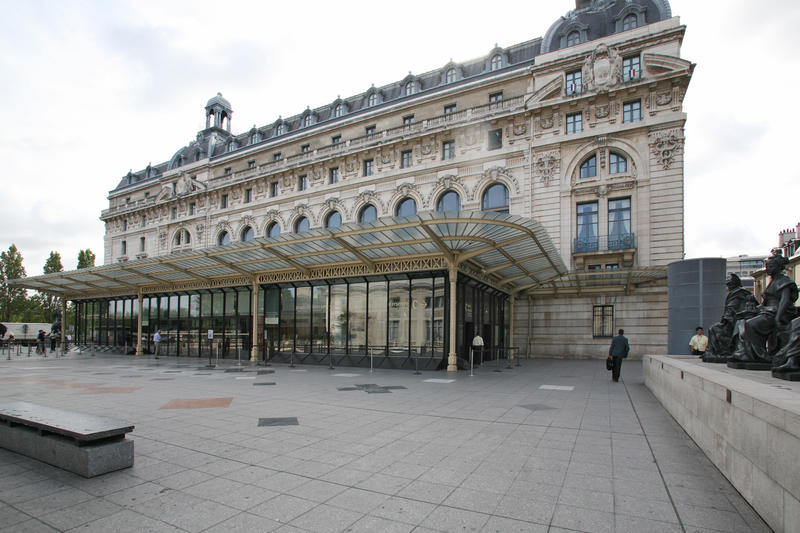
552	445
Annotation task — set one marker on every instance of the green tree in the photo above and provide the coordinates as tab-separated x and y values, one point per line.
50	304
13	300
85	258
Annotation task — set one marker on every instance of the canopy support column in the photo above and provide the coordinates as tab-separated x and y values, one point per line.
254	310
63	323
452	362
139	324
512	312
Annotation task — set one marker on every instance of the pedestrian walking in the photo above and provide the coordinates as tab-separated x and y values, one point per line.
41	347
156	342
618	351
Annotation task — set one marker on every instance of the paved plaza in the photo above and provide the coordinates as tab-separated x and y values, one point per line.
550	446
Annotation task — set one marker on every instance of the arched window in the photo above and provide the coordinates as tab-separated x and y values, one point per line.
616	163
372	100
253	138
224	238
333	220
495	199
306	121
368	213
338	111
449	201
409	88
573	38
248	234
281	129
182	237
629	22
273	230
406	208
496	63
450	77
589	168
302	225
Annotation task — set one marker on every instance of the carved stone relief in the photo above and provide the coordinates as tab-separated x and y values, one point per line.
665	145
371	197
546	166
602	70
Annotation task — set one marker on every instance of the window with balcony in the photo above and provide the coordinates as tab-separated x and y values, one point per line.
336	139
333	175
368	164
495	199
587	231
302	225
406	207
408	120
632	111
273	230
369	130
449	109
306	148
574	82
603	321
251	164
619	224
227	171
448	150
405	159
496	139
276	156
574	122
448	201
302	182
617	164
631	68
368	213
589	168
247	234
496	97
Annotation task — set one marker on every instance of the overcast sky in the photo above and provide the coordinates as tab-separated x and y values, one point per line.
93	89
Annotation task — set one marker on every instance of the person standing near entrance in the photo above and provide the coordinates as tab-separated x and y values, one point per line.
477	345
156	342
699	342
618	351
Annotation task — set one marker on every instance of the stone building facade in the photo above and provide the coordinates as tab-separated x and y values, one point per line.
580	130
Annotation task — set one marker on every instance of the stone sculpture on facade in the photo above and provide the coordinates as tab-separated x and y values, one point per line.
723	337
764	334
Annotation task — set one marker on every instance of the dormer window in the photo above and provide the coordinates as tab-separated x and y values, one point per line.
306	121
409	89
253	138
573	38
281	130
450	76
338	111
372	100
629	22
496	63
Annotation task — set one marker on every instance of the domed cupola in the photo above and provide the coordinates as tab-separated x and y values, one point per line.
219	113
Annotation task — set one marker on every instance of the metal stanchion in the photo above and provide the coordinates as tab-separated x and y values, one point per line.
331	360
29	350
92	353
291	359
471	357
416	365
497	360
518	363
371	355
509	353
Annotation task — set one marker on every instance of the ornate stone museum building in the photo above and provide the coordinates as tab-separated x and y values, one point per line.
533	196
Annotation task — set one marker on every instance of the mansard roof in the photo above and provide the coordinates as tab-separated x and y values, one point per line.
593	19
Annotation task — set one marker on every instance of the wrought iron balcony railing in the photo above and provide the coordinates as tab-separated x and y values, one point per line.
619	241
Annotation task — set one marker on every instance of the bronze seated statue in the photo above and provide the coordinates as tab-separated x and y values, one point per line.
723	337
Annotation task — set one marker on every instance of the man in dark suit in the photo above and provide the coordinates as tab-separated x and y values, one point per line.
618	351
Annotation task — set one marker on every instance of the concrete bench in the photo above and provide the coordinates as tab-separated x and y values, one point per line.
83	444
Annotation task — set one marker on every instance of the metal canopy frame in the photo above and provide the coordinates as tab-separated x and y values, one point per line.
508	252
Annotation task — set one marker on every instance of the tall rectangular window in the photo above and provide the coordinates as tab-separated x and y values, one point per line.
174	213
574	122
141	244
496	97
405	159
449	109
448	150
631	68
191	208
619	224
224	201
496	139
632	111
125	225
301	182
368	167
603	321
333	175
248	195
273	189
574	82
586	240
123	248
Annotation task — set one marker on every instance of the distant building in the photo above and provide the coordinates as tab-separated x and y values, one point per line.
533	196
744	266
789	246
